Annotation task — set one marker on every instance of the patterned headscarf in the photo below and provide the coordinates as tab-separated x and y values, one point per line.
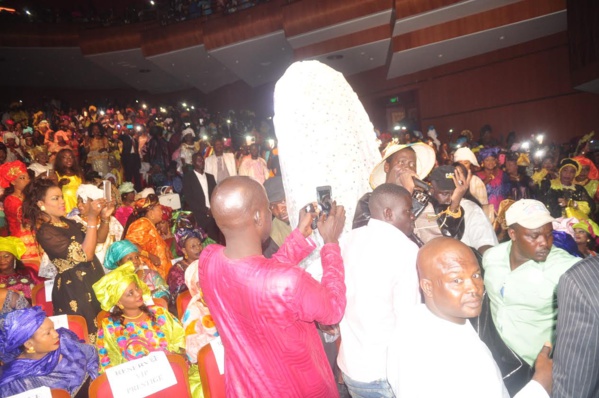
569	162
486	152
593	172
16	328
11	171
589	226
110	288
143	203
183	234
117	251
13	245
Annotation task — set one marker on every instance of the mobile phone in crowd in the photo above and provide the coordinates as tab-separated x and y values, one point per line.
107	191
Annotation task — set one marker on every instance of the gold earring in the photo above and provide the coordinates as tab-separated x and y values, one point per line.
30	350
120	306
43	208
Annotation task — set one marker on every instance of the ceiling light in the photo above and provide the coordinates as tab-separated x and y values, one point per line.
501	37
27	12
440	55
372	58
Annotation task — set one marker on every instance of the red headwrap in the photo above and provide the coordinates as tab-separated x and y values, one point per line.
11	171
593	172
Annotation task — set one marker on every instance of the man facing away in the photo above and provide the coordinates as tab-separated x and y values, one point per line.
265	309
431	356
521	278
381	287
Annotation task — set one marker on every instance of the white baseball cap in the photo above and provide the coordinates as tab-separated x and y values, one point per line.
528	213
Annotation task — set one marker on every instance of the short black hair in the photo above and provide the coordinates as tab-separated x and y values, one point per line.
381	195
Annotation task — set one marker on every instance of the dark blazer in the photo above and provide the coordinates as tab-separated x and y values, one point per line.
576	352
196	201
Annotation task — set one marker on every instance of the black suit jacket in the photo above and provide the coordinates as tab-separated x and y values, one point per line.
196	201
576	352
129	142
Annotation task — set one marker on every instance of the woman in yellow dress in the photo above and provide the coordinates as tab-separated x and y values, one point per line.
135	327
69	176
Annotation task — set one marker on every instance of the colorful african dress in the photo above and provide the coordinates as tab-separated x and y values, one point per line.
13	210
22	280
144	235
72	292
497	188
69	191
118	343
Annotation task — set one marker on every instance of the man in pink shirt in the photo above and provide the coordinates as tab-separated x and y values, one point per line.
265	309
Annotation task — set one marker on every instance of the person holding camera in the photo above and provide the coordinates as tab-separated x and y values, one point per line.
265	308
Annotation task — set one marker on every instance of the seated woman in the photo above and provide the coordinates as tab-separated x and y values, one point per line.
10	301
134	329
189	243
13	274
124	251
197	321
123	212
586	235
36	355
86	193
561	195
141	231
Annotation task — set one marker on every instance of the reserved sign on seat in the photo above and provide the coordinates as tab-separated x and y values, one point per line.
141	377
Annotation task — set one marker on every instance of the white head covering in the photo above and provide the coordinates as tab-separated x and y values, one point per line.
187	131
465	154
89	191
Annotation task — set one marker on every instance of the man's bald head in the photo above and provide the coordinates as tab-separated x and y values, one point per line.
450	279
392	204
239	205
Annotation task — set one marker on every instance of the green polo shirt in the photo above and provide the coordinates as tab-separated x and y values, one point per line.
524	301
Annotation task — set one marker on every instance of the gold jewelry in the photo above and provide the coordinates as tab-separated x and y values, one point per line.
60	224
43	208
92	227
30	350
120	306
134	317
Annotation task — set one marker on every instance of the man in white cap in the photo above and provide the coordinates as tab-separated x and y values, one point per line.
521	278
406	165
477	187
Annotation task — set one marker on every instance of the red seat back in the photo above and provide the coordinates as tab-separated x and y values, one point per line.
182	303
38	297
213	383
78	325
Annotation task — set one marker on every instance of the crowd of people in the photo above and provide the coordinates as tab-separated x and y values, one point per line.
456	261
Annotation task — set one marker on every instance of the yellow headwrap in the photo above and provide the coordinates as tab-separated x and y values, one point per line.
110	288
14	246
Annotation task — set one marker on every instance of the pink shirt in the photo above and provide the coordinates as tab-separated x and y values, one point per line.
265	310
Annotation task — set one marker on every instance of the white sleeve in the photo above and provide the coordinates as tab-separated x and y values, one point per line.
532	390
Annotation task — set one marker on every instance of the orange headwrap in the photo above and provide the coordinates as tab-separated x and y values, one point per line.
593	172
11	171
144	203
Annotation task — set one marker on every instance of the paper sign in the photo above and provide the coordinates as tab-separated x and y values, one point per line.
141	377
218	349
48	286
60	321
40	392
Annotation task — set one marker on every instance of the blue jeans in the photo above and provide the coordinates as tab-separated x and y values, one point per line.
373	389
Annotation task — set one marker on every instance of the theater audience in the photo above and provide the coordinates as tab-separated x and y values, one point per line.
36	355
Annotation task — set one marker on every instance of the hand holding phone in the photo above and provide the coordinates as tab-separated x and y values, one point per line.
107	190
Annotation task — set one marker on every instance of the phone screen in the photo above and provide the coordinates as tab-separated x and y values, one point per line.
324	197
107	191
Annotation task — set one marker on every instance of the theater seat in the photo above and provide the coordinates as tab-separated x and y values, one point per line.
100	388
60	393
213	383
38	297
182	303
78	326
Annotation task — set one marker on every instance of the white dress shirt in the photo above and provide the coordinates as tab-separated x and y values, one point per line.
434	357
204	183
382	285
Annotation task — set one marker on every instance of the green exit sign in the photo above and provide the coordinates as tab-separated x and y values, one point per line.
394	100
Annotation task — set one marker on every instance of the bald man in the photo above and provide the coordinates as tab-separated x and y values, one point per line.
441	355
381	287
265	309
